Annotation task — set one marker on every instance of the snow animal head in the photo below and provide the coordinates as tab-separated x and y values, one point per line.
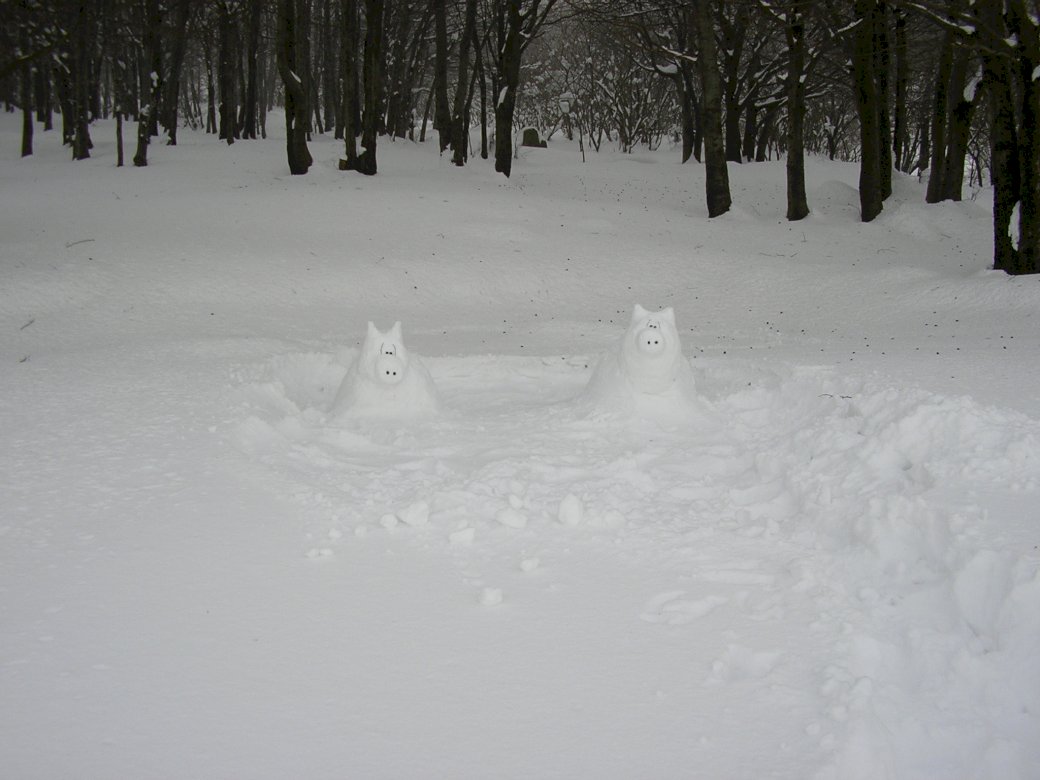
385	380
384	355
650	355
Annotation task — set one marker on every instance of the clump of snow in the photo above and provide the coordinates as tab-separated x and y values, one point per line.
1013	224
385	380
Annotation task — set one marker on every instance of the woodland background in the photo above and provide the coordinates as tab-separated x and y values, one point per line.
943	89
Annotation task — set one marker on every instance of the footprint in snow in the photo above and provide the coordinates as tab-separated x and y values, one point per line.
671	609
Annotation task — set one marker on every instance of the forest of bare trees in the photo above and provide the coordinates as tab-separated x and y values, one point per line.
948	90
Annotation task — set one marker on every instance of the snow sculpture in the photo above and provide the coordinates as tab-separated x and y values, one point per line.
386	380
647	371
650	356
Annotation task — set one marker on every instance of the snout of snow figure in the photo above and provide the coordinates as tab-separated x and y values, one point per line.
389	369
385	380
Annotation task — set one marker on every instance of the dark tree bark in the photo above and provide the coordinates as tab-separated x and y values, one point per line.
182	14
716	170
797	202
27	99
882	62
81	143
900	150
350	109
153	86
372	78
252	96
961	109
460	109
441	108
1004	163
1026	31
483	106
43	102
688	107
290	35
865	88
516	23
329	69
939	114
226	73
734	34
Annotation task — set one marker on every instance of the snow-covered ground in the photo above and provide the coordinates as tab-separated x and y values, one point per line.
815	556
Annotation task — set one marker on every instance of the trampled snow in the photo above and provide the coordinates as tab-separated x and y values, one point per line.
796	538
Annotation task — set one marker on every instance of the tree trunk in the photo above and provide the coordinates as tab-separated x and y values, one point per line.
865	88
716	170
688	103
81	143
460	113
441	109
483	106
900	150
961	108
797	202
226	74
509	54
348	65
173	83
366	161
1023	25
27	99
252	99
882	60
150	39
296	112
119	138
939	113
1004	168
44	111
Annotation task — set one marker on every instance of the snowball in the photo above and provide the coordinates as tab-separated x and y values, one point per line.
415	514
512	518
491	597
571	511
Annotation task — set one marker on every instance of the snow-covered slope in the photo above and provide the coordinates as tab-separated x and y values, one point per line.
819	559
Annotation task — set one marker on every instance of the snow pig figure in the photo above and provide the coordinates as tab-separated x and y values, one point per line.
650	356
646	374
385	380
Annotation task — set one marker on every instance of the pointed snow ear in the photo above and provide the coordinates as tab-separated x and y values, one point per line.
639	313
395	333
373	332
669	315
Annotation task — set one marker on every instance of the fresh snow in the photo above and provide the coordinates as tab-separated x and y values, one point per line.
797	539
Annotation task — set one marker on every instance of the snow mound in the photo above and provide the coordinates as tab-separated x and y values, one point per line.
647	373
835	198
385	380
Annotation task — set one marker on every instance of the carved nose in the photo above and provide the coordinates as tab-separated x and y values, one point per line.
651	341
389	369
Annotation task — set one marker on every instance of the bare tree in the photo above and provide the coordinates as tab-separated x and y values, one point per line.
290	64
